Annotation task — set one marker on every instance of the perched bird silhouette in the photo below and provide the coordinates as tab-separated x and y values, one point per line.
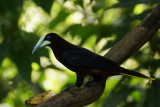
82	61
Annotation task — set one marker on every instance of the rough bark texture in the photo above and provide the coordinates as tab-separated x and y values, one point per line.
132	42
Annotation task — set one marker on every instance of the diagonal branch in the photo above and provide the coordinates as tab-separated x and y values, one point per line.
135	39
130	44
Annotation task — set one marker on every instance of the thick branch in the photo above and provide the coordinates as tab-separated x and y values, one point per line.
135	39
132	42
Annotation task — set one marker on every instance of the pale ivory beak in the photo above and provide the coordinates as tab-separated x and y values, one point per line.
41	43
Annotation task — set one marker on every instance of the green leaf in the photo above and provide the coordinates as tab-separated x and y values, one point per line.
4	48
46	5
60	18
153	95
119	93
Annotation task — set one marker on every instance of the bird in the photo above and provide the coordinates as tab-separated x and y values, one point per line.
82	61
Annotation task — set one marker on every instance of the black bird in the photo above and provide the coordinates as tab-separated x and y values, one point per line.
82	61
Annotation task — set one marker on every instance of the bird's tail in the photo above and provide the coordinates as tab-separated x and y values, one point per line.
133	73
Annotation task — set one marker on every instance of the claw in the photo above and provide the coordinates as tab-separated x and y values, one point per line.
69	88
89	83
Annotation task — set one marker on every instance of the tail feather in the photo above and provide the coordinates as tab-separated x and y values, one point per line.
133	73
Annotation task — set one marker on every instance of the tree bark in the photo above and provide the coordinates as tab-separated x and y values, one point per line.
130	44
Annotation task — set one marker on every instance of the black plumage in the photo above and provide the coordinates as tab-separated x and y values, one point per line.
82	61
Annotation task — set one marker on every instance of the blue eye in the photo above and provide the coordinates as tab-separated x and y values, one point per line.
48	37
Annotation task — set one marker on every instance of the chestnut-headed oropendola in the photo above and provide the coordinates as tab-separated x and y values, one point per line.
82	61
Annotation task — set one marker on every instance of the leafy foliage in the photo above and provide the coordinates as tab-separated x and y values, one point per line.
93	24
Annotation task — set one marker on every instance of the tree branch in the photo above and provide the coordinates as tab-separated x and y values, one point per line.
130	44
135	39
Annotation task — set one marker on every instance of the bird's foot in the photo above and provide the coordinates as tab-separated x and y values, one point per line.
89	83
69	88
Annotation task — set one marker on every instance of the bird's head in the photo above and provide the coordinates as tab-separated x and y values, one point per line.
45	41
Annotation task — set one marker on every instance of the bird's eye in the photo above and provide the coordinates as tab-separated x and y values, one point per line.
48	37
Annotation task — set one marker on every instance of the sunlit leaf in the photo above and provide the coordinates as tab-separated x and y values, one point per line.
46	5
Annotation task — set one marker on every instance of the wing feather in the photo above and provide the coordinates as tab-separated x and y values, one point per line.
82	57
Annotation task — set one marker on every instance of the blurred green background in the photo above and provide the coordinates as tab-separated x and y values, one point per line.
93	24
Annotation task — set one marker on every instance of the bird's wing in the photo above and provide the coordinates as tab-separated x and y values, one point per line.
78	56
84	58
81	57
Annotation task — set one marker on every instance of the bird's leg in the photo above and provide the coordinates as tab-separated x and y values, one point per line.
80	79
79	82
